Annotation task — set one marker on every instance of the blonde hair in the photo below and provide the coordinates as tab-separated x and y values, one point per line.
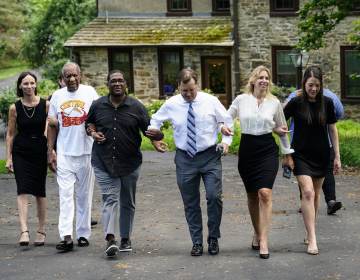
255	74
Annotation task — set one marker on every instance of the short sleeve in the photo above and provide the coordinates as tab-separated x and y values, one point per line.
289	109
330	112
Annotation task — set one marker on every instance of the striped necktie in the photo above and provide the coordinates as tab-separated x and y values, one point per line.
191	132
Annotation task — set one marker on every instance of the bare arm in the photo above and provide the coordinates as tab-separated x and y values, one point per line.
10	135
335	142
51	138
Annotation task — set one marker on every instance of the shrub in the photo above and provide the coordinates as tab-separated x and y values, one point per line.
7	98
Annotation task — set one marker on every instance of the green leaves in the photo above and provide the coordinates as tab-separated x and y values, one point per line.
319	17
60	19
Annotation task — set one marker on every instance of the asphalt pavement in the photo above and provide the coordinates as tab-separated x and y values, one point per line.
162	243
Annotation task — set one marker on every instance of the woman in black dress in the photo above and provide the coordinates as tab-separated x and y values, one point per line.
26	153
313	115
259	113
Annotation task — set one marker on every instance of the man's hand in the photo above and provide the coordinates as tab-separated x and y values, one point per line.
281	130
98	137
154	134
160	146
288	161
226	131
223	147
52	161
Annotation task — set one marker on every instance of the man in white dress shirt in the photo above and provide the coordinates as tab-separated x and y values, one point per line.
196	117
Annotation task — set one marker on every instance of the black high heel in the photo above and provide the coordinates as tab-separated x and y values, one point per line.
264	256
24	243
254	246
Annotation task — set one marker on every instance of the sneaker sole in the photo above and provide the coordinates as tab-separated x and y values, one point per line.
112	251
125	250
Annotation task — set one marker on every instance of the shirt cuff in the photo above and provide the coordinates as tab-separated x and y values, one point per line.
286	151
226	139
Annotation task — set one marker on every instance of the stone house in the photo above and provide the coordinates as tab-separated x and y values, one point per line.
223	40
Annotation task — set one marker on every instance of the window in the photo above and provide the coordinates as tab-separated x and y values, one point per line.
350	71
285	8
284	72
170	63
179	8
355	9
121	59
221	7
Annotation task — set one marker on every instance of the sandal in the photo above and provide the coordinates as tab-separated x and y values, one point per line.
40	241
24	242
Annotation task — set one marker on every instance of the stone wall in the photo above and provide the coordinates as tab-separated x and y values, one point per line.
94	65
258	32
146	73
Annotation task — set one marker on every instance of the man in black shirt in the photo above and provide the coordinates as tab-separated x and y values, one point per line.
115	122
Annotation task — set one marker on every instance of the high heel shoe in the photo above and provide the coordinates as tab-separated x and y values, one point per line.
264	256
24	242
40	241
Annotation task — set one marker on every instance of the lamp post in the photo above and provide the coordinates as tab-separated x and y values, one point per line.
299	59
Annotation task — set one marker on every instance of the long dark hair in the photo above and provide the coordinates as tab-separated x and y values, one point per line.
313	72
19	91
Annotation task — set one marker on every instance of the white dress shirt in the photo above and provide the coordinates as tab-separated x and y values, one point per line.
210	114
260	119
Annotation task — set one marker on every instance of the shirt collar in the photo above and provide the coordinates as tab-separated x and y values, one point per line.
126	102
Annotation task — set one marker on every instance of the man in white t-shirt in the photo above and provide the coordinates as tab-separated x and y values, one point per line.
69	107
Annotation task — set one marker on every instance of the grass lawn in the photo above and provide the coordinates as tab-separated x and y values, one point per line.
12	68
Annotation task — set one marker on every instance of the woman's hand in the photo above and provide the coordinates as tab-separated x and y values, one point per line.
281	130
226	131
9	166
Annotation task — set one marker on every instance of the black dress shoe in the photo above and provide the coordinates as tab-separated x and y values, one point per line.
197	250
83	242
333	206
264	256
93	222
213	247
65	245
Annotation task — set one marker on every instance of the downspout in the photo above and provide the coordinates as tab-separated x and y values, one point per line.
236	48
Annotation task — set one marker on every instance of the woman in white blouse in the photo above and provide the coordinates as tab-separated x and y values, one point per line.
259	113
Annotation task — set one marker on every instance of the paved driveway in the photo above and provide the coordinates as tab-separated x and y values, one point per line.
162	244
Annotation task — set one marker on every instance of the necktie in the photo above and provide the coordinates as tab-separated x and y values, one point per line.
191	132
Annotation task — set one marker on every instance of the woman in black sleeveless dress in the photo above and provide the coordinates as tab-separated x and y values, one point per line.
314	116
26	153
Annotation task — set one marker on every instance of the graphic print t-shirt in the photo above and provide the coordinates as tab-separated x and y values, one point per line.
71	110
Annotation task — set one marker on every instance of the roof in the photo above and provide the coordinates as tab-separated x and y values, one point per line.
154	31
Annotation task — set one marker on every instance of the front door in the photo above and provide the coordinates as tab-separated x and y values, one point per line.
216	77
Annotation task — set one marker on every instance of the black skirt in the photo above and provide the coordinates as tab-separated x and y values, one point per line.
258	161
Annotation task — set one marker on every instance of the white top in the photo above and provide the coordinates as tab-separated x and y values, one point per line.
260	119
210	114
71	110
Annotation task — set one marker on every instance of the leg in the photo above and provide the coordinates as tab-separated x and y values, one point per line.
253	206
84	188
127	203
265	208
329	181
66	180
317	183
308	209
110	193
22	203
213	187
41	203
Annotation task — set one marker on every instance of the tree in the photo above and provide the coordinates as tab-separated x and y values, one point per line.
43	44
11	25
319	17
